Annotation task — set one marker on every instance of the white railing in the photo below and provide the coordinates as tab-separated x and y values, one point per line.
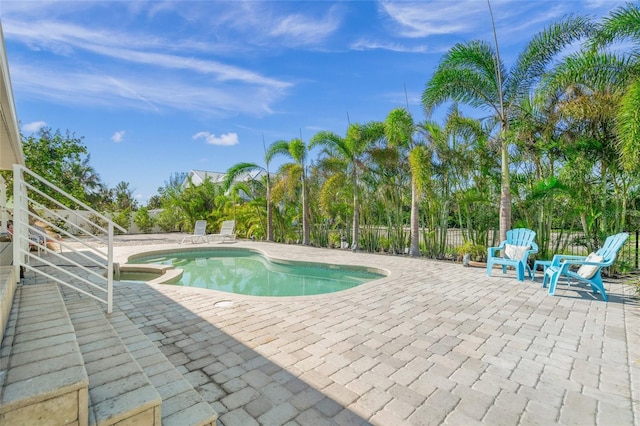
3	204
86	262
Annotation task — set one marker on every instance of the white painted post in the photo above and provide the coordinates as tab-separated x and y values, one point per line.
110	270
19	219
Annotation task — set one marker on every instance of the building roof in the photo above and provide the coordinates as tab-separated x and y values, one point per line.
199	176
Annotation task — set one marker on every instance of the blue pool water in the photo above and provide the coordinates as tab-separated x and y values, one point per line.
247	272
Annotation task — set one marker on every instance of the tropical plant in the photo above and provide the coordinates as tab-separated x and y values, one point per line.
123	197
623	23
400	129
472	73
351	151
143	220
244	169
296	150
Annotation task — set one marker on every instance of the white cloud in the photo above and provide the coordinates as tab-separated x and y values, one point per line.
363	44
118	136
174	92
422	19
226	139
298	29
34	126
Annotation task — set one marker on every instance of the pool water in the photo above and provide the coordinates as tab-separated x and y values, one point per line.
250	273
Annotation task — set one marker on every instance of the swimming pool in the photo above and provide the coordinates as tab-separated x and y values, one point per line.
245	271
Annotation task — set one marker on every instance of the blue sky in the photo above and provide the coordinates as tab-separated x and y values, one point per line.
157	87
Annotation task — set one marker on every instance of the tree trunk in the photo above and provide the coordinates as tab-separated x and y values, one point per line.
356	212
415	247
505	193
269	212
306	235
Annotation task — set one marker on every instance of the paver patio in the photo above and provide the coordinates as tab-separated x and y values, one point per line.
432	343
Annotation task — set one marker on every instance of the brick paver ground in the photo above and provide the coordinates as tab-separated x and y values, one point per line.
432	343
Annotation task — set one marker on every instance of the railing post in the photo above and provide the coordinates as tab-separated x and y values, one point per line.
110	270
637	234
3	203
19	218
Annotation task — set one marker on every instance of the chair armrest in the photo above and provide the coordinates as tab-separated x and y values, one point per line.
584	262
491	251
561	258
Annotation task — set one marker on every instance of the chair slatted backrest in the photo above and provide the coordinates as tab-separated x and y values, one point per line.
521	237
200	228
611	246
227	227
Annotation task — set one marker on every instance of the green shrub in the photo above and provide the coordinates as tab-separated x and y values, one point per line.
122	218
478	252
143	220
99	223
170	219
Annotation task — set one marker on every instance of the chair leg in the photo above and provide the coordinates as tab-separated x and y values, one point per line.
553	281
598	287
520	271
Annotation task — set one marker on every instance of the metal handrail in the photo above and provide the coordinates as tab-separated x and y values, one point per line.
22	255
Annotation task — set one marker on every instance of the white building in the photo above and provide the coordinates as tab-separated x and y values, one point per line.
197	177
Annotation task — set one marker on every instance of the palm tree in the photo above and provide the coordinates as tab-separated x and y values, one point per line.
472	73
85	176
624	23
297	151
124	196
399	129
243	168
352	149
592	85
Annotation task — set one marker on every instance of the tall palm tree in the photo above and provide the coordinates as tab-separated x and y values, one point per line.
399	129
353	150
472	73
296	150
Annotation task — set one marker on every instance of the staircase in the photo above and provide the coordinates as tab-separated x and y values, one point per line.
67	357
68	362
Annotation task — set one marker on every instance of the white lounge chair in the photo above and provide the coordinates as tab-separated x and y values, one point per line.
199	233
226	231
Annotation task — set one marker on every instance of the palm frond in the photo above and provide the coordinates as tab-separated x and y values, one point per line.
628	123
622	23
539	53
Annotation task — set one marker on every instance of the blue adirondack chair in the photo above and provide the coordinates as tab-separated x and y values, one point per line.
590	266
515	251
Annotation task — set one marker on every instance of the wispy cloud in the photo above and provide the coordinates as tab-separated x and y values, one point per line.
162	93
299	29
118	136
226	139
364	44
136	70
63	39
34	126
422	19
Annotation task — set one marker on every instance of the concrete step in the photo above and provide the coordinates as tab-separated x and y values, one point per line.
7	291
42	371
119	391
181	403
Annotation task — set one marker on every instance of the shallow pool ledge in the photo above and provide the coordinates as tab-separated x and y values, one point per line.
167	274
